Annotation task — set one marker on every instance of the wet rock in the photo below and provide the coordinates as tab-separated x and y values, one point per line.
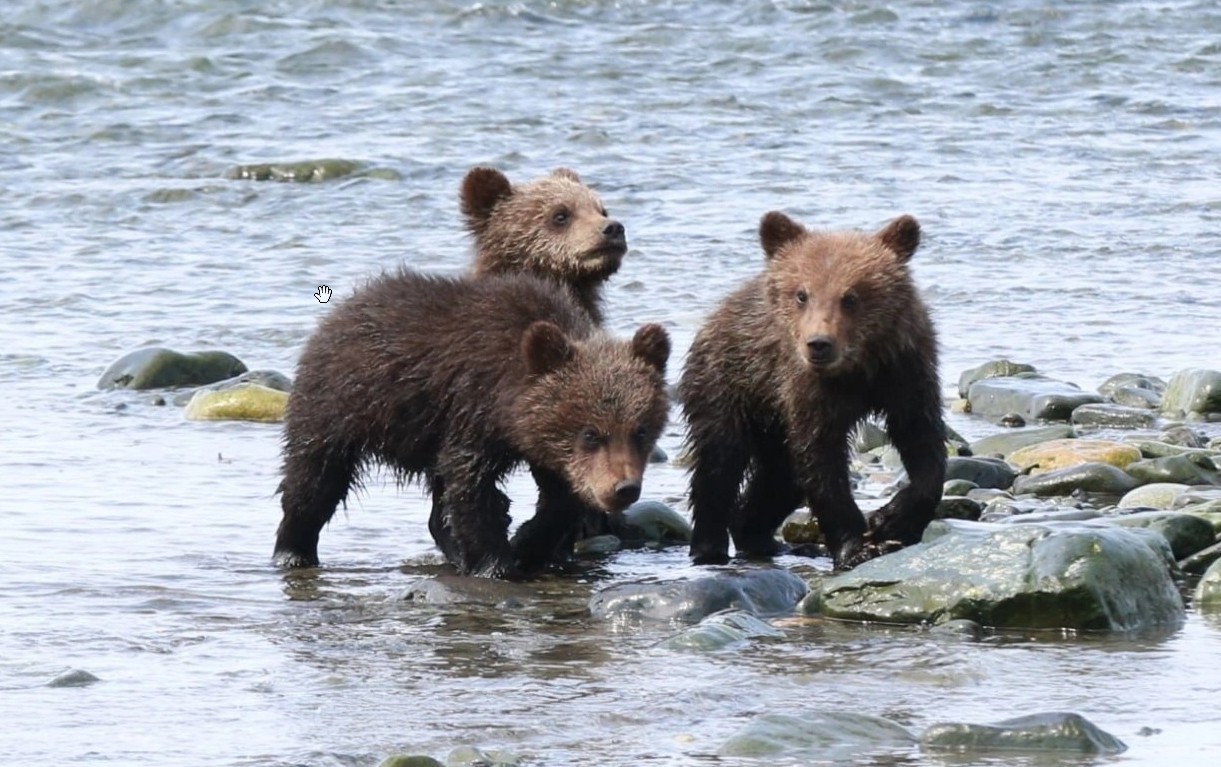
74	678
869	436
1186	469
825	736
984	472
801	527
1034	396
1144	399
1202	560
1208	590
1105	415
247	402
410	761
1198	494
272	379
658	455
154	367
306	171
1154	449
469	756
1011	421
960	628
958	487
722	631
1183	436
994	369
1057	732
463	589
763	592
1193	391
1006	443
1186	533
1099	478
1131	381
958	507
597	545
1005	506
1159	495
1079	575
1054	513
655	522
1062	453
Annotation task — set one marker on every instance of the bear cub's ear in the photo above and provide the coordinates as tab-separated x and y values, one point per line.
545	348
652	344
567	173
777	230
482	188
902	236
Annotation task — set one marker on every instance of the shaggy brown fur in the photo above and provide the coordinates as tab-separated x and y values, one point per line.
553	227
455	382
832	332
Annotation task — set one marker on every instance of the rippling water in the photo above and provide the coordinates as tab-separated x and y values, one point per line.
1062	159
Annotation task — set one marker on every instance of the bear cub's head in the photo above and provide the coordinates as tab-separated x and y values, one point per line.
846	298
593	409
554	226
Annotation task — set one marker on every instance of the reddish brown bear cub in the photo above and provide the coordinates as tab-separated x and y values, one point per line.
455	382
553	227
832	332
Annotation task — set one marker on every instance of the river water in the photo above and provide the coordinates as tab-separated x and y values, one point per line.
1061	157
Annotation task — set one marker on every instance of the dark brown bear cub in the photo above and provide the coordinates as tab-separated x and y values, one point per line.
553	227
455	382
832	332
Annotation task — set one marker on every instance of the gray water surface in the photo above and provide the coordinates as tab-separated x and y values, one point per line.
1061	157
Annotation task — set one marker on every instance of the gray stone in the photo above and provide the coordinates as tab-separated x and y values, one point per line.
1079	575
74	678
1193	391
826	736
1159	495
994	369
721	631
656	522
469	756
1202	560
1057	732
463	589
1208	590
763	592
157	368
272	379
597	545
1106	415
1091	477
957	487
984	472
1137	381
1185	469
958	507
1004	443
1033	396
1130	396
1186	533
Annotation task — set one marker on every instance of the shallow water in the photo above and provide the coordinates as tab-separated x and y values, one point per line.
1060	157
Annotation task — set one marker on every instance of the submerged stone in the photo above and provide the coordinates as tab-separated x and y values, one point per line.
272	379
720	631
74	678
830	736
1059	732
410	761
306	171
157	368
763	592
1075	575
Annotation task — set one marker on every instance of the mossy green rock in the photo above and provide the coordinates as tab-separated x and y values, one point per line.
1208	590
1099	478
156	368
1186	533
994	369
1054	732
410	761
1193	391
1185	469
830	737
248	402
1071	575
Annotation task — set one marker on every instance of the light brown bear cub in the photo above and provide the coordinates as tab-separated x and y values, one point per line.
553	227
833	331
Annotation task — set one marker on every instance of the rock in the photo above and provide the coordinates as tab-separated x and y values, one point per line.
1198	494
597	545
801	527
469	756
960	628
1055	732
954	487
1129	396
1202	560
410	761
1183	436
1159	495
1062	453
655	522
156	368
763	592
958	507
464	589
1053	514
247	402
658	455
1193	391
307	171
1077	575
272	379
1186	533
869	436
830	736
720	631
1099	478
1105	415
1033	396
1208	590
1185	469
1154	449
1004	444
1123	381
74	678
984	472
995	369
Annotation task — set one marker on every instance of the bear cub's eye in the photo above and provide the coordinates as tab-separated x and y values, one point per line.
641	435
560	217
802	297
850	301
591	439
602	212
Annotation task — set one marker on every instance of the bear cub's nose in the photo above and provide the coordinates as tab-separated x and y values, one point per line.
627	491
614	231
821	349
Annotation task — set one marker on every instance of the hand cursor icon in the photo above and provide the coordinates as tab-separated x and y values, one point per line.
323	295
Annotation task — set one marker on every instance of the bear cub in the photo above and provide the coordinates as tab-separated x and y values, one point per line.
832	332
553	227
455	382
